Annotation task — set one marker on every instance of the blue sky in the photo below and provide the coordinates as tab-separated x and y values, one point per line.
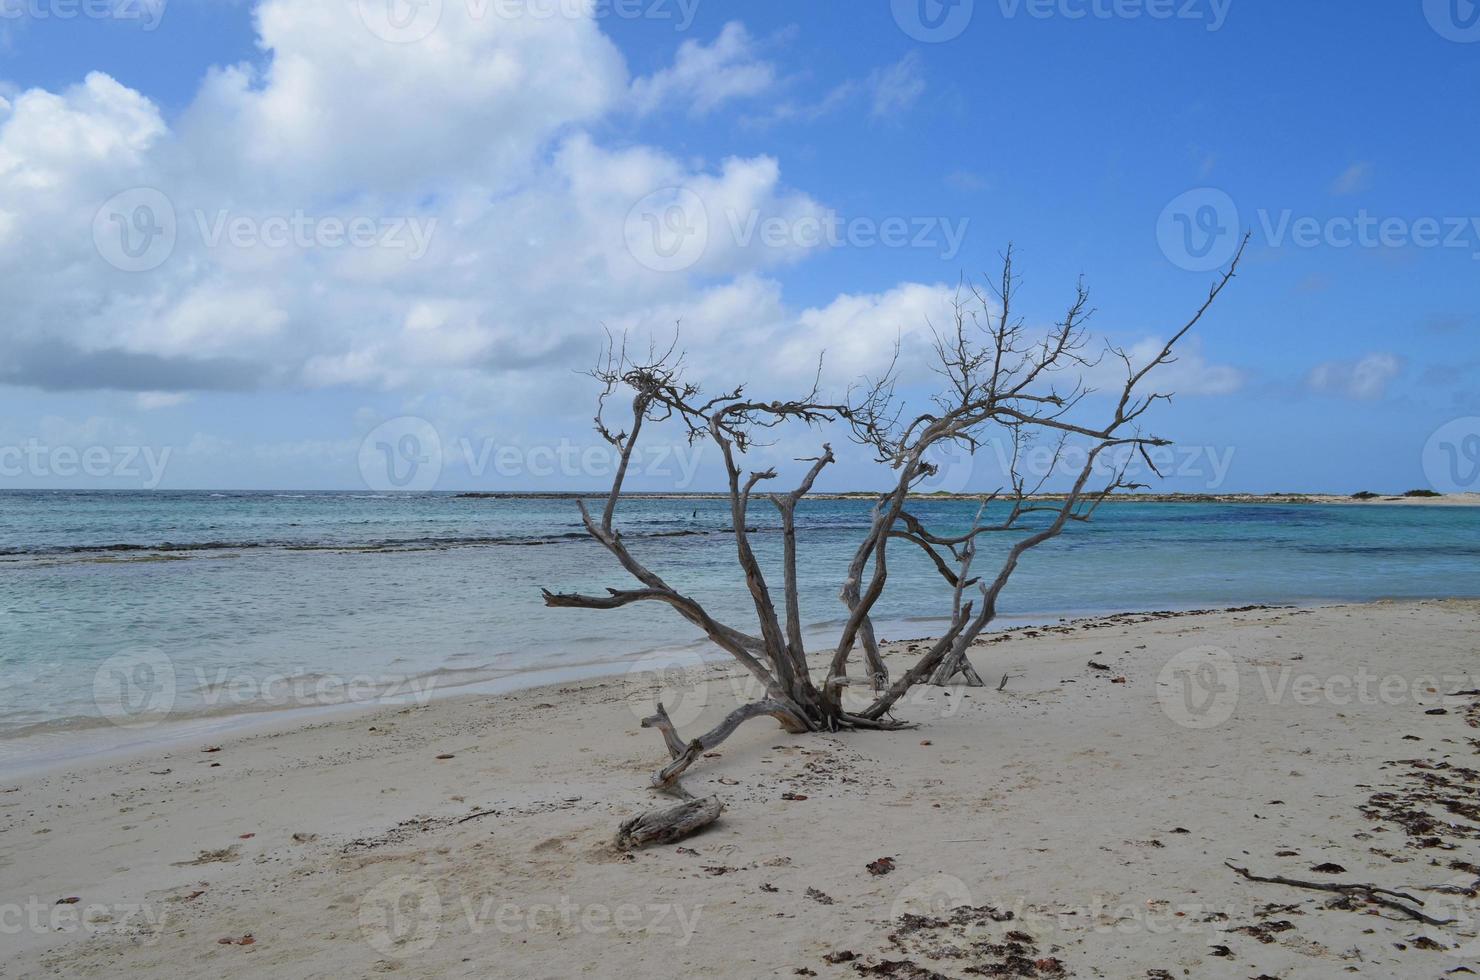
524	146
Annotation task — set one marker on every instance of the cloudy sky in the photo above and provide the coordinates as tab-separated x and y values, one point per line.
260	243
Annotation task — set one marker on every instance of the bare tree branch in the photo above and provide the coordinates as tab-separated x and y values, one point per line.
999	383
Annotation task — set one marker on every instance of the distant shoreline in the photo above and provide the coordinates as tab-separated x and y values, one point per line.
1436	500
1375	499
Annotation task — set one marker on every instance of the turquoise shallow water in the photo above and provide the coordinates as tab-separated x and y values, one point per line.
263	599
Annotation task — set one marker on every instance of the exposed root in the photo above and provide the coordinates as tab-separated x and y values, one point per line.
1385	897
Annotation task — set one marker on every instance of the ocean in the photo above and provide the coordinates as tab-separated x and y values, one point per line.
118	607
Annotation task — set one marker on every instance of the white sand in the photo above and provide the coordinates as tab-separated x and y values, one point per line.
1056	800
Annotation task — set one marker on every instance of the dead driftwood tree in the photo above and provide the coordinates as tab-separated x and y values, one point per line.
998	379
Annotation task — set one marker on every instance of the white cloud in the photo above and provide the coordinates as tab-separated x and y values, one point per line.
485	130
888	91
1191	374
93	129
339	108
857	332
897	88
966	181
151	400
808	111
1356	178
707	77
1366	379
477	129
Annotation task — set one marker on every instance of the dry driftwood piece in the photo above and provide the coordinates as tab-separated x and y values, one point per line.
1385	897
1022	389
669	825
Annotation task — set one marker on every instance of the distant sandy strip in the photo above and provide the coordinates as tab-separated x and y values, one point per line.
1369	500
1075	823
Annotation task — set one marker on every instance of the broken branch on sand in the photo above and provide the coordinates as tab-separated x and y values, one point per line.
669	825
1371	893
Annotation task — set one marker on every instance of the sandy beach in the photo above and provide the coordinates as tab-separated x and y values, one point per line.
1076	822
